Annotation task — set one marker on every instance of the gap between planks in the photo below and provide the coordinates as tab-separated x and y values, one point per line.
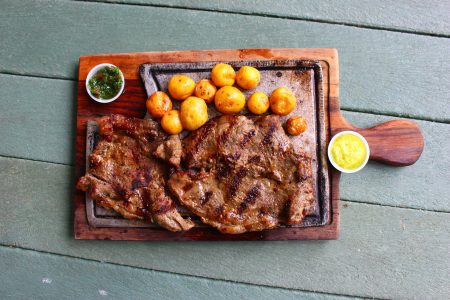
35	160
342	200
273	16
344	205
396	115
343	108
24	249
35	75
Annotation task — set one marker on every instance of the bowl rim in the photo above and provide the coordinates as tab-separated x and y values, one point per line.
366	144
93	71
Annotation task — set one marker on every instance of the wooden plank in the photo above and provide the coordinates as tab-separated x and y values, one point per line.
37	118
383	251
381	71
398	187
47	276
429	17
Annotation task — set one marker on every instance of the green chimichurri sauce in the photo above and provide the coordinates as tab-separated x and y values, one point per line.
106	83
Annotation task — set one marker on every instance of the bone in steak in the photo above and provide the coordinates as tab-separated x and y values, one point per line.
244	175
125	177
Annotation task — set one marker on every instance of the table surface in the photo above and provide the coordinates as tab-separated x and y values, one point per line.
395	222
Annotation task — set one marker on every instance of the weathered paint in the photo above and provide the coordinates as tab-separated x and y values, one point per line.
382	252
49	276
394	15
381	71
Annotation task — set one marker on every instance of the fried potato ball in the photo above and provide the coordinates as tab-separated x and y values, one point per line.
229	100
248	77
282	101
206	90
223	75
296	125
171	122
158	104
193	113
258	103
180	87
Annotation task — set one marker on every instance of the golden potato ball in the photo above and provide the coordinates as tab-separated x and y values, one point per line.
223	75
258	103
229	100
248	77
296	125
282	101
171	122
181	86
206	90
158	104
193	113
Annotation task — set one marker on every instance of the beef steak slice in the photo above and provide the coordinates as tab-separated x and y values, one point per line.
244	175
170	150
124	176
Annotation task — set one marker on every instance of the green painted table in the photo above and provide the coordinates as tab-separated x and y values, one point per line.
395	222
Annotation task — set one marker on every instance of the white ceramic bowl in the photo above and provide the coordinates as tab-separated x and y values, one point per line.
92	73
330	157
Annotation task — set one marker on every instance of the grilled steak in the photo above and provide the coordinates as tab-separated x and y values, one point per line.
170	150
125	177
243	175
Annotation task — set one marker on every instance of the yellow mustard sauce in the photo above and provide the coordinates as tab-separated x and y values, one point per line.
348	151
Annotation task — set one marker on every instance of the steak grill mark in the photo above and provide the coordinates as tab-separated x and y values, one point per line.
236	181
247	137
268	137
249	199
206	130
223	170
206	198
222	139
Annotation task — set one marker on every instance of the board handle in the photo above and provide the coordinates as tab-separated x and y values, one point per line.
396	142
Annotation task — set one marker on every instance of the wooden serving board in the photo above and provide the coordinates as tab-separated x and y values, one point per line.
396	142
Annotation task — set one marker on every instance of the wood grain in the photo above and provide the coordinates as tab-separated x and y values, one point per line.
397	15
396	142
395	81
383	252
